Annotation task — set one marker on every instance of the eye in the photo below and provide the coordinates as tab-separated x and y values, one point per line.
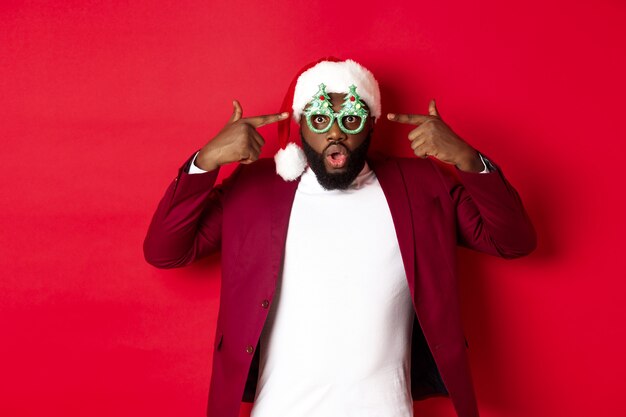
351	121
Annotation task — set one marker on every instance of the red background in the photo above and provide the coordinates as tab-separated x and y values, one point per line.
101	103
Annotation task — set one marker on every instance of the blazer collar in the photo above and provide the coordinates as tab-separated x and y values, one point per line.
283	193
391	180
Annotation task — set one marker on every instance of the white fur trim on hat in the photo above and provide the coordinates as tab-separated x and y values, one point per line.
337	76
290	162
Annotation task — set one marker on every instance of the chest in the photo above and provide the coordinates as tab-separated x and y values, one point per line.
344	241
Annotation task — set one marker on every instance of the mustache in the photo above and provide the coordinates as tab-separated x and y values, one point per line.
338	143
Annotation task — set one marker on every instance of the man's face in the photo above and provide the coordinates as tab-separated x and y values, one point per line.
336	157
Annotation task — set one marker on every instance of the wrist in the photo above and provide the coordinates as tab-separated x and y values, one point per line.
471	163
206	161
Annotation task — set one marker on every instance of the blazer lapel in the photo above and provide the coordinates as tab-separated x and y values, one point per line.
394	187
283	194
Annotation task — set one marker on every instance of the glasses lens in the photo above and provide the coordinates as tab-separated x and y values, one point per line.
320	121
351	122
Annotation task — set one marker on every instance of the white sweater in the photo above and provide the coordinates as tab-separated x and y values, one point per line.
337	341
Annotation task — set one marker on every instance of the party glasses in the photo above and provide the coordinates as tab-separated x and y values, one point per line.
351	118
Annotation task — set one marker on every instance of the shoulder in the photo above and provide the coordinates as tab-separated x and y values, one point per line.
249	179
410	165
261	170
418	174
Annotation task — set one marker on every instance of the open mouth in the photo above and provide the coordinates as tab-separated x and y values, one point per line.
336	156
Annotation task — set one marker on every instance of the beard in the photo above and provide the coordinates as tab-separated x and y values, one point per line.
337	180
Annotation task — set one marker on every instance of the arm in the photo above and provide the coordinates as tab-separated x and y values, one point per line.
490	215
489	212
187	224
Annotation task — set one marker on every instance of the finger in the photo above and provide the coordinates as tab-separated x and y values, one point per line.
258	121
422	151
415	133
256	143
411	119
246	158
258	138
250	156
432	108
254	146
417	143
237	112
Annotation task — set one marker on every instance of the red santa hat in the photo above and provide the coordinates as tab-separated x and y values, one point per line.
337	75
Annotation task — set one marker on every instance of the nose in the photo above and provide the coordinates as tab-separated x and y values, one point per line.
335	133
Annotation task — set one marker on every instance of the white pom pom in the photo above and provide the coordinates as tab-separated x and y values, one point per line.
290	162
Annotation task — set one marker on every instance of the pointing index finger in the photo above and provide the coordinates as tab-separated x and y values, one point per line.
258	121
411	119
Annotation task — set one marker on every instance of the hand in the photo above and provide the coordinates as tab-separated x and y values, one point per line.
238	141
433	137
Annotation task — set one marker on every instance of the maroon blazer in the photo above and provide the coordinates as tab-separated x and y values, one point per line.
247	218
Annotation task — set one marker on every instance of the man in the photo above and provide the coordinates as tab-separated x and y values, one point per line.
339	290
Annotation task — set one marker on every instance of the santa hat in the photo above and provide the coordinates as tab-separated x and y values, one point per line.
337	75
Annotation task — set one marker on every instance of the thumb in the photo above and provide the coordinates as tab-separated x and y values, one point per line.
237	112
432	108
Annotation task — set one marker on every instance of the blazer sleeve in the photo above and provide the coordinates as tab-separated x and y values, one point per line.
490	215
187	224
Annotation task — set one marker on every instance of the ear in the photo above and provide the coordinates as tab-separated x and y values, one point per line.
303	124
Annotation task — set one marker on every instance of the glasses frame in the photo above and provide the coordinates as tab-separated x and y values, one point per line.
321	106
339	118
